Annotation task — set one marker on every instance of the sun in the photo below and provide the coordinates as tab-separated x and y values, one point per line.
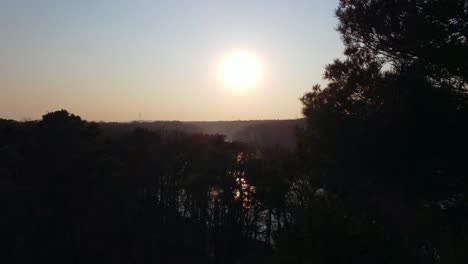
240	70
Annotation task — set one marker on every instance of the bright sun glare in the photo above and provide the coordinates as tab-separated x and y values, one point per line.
240	70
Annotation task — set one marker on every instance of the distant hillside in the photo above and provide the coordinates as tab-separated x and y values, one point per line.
229	128
260	133
281	133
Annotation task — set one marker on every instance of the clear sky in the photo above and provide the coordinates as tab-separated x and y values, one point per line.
111	60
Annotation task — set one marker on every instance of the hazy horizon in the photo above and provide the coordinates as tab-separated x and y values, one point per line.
109	61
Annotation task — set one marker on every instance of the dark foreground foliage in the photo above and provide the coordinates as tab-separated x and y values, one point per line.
71	194
386	139
380	174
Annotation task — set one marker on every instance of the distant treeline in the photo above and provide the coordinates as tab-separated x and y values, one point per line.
261	133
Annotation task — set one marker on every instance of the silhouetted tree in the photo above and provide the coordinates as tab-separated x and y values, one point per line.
384	139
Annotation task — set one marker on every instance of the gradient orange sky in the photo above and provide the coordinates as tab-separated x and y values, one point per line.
111	60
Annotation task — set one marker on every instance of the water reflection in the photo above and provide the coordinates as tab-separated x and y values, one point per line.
244	192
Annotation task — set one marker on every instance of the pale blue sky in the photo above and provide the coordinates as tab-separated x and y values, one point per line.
110	60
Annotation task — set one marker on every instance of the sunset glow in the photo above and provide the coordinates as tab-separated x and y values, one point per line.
240	70
223	60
